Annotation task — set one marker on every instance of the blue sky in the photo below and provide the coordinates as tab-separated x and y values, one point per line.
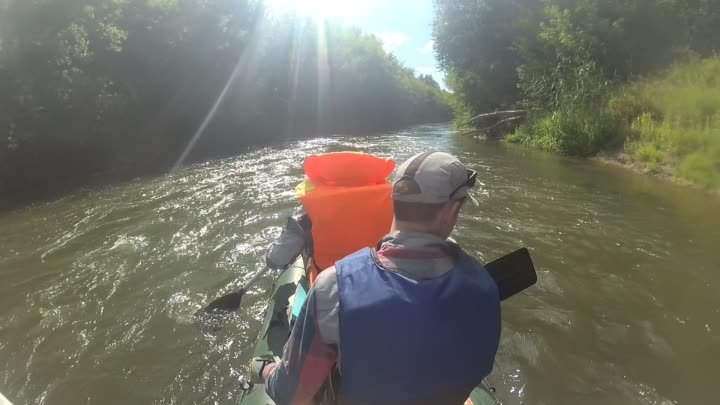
405	27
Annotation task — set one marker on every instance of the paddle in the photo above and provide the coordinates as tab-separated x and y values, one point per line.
231	302
513	272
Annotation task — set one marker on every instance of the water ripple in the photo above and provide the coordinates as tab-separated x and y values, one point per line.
98	288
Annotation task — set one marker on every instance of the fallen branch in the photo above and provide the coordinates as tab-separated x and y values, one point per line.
470	132
493	125
493	114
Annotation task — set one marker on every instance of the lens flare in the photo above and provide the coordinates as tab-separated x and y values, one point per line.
317	9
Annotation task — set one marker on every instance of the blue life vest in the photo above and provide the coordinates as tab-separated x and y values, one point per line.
404	341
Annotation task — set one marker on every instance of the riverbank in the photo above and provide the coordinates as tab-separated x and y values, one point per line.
663	172
667	126
145	168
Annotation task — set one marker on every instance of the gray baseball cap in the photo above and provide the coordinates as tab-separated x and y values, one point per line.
433	178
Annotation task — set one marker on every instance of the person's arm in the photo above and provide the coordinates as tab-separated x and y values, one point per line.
307	361
293	240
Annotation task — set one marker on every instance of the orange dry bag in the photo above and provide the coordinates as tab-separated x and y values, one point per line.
349	201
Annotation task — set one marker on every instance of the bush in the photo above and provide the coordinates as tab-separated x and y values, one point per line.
579	131
702	167
648	154
675	120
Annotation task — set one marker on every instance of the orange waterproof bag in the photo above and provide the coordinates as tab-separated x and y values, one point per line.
349	201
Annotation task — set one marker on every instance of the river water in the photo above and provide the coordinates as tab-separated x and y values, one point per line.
97	289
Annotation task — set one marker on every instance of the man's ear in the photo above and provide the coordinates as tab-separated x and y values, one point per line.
451	211
455	207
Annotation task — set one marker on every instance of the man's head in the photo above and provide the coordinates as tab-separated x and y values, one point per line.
428	191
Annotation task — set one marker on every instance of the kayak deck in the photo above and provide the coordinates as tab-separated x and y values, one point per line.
276	331
276	328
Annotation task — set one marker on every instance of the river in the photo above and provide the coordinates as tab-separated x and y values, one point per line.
97	289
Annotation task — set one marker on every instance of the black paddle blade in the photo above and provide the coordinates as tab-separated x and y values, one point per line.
213	317
513	272
225	304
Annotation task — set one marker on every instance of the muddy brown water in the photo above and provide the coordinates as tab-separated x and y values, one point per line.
97	289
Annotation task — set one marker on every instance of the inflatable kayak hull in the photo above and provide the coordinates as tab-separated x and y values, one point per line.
276	330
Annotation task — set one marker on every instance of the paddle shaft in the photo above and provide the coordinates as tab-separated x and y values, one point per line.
255	278
512	273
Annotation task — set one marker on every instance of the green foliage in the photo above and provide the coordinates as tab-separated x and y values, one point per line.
704	18
562	70
579	131
701	167
119	87
552	53
475	42
571	61
675	120
428	79
648	154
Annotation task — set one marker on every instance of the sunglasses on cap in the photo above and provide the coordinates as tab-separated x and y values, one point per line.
469	183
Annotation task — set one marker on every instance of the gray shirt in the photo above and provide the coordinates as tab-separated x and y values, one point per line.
422	268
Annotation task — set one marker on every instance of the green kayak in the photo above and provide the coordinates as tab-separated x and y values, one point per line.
276	330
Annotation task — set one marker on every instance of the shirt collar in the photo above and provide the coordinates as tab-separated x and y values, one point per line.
415	241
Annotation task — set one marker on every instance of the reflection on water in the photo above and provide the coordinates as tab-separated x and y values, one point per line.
99	288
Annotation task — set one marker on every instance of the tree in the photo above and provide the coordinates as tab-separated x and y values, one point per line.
429	80
119	88
477	42
499	53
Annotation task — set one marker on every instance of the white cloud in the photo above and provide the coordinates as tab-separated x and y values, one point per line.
428	48
391	40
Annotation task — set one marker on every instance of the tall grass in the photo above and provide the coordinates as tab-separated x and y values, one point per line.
674	120
670	121
579	131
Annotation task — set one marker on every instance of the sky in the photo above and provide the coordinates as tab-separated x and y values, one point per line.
404	26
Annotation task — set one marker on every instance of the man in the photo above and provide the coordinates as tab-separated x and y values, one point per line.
414	321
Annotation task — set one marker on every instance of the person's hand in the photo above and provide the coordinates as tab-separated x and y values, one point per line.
257	365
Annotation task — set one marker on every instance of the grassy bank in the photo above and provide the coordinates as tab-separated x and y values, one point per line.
669	123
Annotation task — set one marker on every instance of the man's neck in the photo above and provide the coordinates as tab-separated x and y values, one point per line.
417	255
405	234
412	228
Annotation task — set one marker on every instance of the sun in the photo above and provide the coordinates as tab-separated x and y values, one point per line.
317	9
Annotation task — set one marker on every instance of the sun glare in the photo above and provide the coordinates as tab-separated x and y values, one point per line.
318	9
